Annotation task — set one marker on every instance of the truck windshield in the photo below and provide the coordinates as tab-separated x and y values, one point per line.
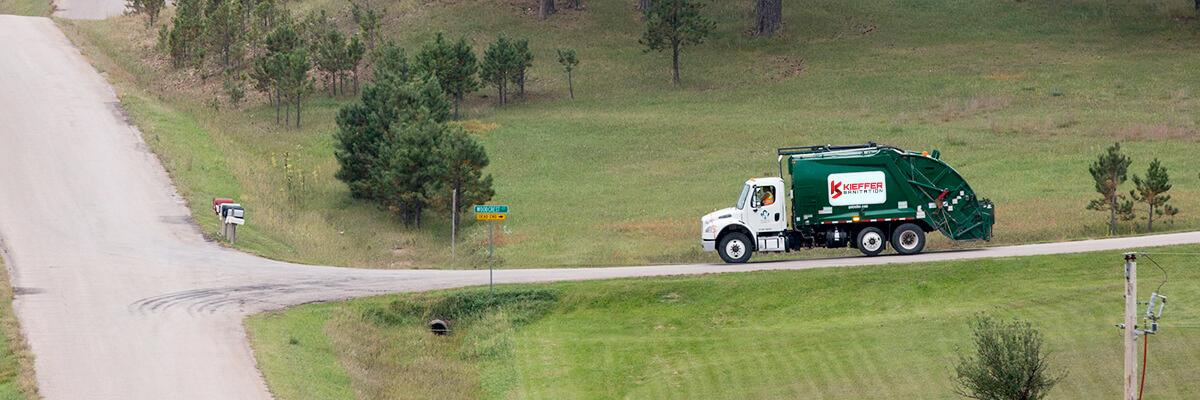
742	198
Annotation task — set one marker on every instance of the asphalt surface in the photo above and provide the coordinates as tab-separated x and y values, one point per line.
89	9
119	294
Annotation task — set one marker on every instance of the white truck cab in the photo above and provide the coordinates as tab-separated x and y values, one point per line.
756	223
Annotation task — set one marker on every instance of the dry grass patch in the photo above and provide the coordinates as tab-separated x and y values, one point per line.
1003	77
1160	131
784	67
974	105
476	127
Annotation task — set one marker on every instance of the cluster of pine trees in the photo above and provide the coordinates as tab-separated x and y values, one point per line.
395	145
260	42
1110	170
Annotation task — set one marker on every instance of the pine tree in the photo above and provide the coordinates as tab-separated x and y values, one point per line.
545	8
1152	191
183	38
673	24
225	31
454	65
361	126
295	80
405	175
568	59
149	7
463	161
354	55
768	17
525	58
391	63
274	70
328	48
368	20
1109	171
499	66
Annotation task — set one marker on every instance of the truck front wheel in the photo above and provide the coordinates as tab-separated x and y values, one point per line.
734	248
870	241
908	239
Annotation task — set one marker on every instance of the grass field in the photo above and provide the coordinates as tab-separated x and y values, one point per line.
17	381
880	332
1018	96
33	8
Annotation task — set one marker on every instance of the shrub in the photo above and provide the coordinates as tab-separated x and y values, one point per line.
1008	362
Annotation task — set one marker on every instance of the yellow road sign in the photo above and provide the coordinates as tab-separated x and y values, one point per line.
490	216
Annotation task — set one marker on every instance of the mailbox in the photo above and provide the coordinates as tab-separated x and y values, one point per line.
217	205
233	213
224	209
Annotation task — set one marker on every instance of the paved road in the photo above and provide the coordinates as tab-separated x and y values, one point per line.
89	9
118	293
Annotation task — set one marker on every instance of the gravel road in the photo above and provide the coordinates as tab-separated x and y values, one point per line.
119	294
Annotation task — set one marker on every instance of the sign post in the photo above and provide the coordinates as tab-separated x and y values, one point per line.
491	214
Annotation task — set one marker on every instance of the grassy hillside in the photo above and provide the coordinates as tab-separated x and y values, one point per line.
880	332
33	8
1018	96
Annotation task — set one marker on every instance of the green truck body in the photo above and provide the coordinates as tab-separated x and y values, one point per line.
915	186
861	196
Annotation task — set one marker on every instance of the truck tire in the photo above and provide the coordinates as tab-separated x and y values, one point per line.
908	239
870	241
734	248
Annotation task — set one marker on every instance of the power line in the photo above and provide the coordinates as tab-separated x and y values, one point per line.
1164	271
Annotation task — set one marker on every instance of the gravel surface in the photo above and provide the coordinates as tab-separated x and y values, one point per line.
119	294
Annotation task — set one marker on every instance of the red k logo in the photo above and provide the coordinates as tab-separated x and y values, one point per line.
835	189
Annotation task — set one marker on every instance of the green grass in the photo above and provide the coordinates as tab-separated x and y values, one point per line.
16	361
878	332
32	8
1018	96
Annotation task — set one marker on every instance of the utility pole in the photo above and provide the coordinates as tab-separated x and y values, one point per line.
1130	325
453	222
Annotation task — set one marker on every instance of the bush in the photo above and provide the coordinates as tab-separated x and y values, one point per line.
1008	362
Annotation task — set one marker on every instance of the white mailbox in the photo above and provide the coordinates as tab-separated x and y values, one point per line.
231	215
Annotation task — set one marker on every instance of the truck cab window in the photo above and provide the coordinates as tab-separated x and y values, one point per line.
742	197
766	195
763	196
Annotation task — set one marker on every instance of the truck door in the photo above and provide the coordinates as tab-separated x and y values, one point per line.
766	209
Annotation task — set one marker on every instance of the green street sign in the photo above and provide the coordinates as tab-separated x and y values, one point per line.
491	209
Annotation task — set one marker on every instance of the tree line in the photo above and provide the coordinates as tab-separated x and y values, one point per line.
236	32
261	42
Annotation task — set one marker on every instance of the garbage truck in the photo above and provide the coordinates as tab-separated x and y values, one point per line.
860	196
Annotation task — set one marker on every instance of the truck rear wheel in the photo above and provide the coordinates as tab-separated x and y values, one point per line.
734	248
908	239
870	241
